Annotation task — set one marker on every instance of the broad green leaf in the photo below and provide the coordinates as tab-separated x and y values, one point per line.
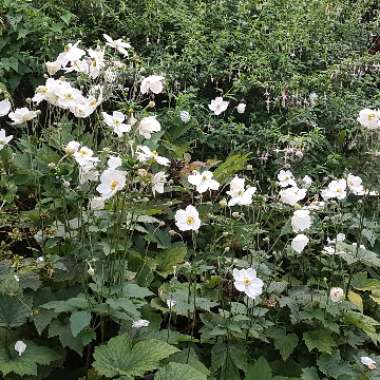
334	367
179	371
13	312
69	305
63	332
119	358
259	370
168	258
356	299
189	356
310	373
320	339
233	164
27	363
78	321
285	343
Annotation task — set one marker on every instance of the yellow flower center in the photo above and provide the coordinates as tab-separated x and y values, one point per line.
371	116
190	220
114	184
247	281
339	190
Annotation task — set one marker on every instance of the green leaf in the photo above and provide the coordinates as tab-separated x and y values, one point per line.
260	370
310	373
78	321
168	258
320	339
179	371
334	367
13	312
233	164
285	343
119	358
63	332
69	305
27	363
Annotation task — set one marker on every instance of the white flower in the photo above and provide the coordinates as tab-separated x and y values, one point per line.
22	115
354	183
95	62
148	125
340	237
336	294
239	195
329	250
307	181
218	105
203	181
241	107
114	162
90	270
72	147
313	97
116	122
301	220
40	259
5	107
336	189
52	67
158	182
369	119
171	303
4	139
245	280
286	178
85	156
88	173
292	195
187	219
70	54
300	242
20	347
140	323
144	154
154	83
185	116
371	364
111	181
119	45
97	203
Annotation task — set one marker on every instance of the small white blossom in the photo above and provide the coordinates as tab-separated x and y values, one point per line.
368	362
22	115
354	183
245	280
203	181
184	116
301	220
158	182
119	45
300	242
241	107
336	294
292	195
20	347
307	181
336	189
171	303
85	156
148	125
144	154
52	67
239	194
153	83
111	181
218	105
5	107
116	122
187	219
4	139
286	178
140	323
114	162
369	119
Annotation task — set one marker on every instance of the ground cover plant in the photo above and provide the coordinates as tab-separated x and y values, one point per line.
191	202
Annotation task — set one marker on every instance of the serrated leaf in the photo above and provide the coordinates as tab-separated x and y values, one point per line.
13	312
179	371
234	163
356	299
119	358
79	320
285	343
63	332
259	370
310	373
168	258
320	339
28	362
